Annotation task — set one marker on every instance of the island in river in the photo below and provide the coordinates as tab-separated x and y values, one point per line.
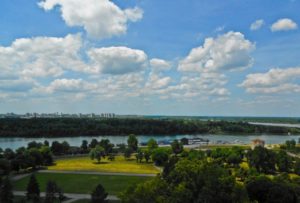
72	127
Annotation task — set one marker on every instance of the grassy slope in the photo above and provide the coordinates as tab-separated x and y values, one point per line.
120	165
77	183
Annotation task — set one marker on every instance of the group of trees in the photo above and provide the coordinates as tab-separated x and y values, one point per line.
25	158
211	176
53	192
104	148
56	127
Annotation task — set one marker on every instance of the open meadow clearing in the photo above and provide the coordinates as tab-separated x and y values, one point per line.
119	165
82	183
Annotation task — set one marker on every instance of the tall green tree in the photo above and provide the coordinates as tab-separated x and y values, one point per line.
177	147
152	144
127	152
97	153
262	159
51	190
33	190
99	195
283	161
132	142
160	156
84	145
6	193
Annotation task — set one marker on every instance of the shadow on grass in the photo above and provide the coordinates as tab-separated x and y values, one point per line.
101	162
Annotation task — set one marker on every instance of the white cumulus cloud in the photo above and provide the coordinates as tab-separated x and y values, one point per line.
160	64
276	80
41	57
257	24
284	24
100	18
230	51
117	60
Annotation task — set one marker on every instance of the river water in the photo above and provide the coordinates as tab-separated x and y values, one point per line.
15	143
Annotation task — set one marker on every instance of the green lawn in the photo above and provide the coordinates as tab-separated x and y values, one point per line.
82	183
120	165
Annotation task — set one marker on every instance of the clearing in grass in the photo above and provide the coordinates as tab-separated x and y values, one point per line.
82	183
119	165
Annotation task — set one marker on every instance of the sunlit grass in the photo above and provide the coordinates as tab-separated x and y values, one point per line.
119	165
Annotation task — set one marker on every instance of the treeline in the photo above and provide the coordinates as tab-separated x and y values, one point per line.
57	127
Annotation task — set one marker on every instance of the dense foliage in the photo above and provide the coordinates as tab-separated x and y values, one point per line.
217	175
55	127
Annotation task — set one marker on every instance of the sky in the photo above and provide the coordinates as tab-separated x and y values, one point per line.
151	57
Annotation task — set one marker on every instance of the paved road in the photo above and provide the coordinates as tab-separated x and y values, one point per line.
73	197
293	155
98	173
20	176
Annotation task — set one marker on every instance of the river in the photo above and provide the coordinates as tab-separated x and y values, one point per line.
15	143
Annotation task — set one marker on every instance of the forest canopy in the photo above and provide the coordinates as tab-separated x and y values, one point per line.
56	127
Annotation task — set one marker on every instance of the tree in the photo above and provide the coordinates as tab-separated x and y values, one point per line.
98	195
84	145
184	141
147	155
127	153
33	190
4	167
9	154
34	144
297	167
51	190
46	143
262	159
152	144
97	153
108	147
262	189
234	159
6	194
47	155
283	161
290	144
35	157
111	157
65	147
160	156
187	181
93	143
57	148
139	156
177	147
132	142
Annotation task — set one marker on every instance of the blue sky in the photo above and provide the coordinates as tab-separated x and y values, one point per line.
229	58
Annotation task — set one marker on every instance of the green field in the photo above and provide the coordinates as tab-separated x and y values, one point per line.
82	183
120	165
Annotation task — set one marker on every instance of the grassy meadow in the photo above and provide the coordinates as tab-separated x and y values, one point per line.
82	183
119	165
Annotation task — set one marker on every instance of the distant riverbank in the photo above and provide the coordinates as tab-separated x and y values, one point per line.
67	127
276	124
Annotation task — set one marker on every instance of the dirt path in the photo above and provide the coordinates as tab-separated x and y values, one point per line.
73	197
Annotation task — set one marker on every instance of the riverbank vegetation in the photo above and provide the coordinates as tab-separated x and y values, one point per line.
56	127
